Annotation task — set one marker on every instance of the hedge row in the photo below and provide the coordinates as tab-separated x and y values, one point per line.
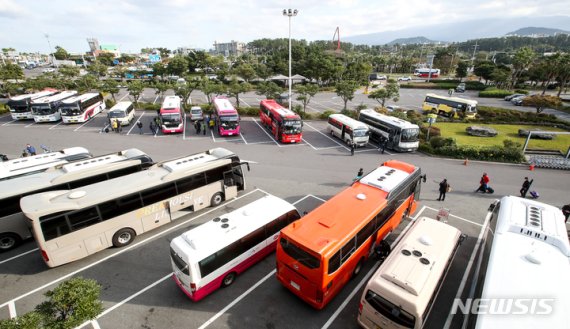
488	114
492	153
499	93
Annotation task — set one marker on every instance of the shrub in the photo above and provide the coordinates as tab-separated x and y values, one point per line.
325	114
3	108
494	93
248	111
521	91
349	113
433	131
109	103
149	106
491	153
438	141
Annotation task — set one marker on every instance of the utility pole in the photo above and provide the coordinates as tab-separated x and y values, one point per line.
473	56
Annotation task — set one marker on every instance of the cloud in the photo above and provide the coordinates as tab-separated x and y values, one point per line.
10	9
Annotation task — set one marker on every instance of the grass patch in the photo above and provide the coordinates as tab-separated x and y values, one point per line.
457	131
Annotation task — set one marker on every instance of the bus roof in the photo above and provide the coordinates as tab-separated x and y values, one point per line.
33	96
224	106
471	102
412	271
170	103
60	96
353	123
531	250
283	112
121	106
69	171
386	118
324	227
49	202
79	98
228	228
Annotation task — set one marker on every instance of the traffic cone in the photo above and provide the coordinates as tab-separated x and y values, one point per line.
531	167
465	162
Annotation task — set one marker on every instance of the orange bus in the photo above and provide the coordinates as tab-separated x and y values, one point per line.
318	254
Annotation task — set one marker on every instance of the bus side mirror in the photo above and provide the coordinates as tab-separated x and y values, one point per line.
492	207
424	178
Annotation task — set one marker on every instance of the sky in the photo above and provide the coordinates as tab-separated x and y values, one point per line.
135	24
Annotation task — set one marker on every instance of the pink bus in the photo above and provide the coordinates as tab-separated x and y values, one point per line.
171	115
226	116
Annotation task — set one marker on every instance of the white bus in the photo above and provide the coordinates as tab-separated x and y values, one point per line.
40	162
71	224
46	109
349	130
14	227
81	108
400	135
524	264
403	290
21	106
123	112
211	255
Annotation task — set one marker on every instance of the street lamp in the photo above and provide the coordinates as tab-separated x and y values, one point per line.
49	44
290	13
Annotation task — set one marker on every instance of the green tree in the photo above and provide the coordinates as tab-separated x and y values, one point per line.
87	82
269	89
110	86
178	65
391	91
135	88
345	90
484	70
10	88
541	101
60	53
245	71
30	320
305	93
69	72
106	58
564	76
11	71
97	68
211	89
126	58
501	76
71	303
184	91
461	70
522	60
550	69
161	88
158	69
235	88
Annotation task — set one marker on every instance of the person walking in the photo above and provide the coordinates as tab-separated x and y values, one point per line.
140	125
382	144
484	183
197	126
212	123
525	187
152	127
444	187
204	127
359	175
114	126
351	148
30	149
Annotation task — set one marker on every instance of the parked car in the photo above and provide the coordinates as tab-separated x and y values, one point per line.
518	101
460	88
48	70
510	97
196	113
376	76
392	108
408	78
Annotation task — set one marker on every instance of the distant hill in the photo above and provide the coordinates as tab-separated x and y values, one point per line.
462	31
537	31
411	41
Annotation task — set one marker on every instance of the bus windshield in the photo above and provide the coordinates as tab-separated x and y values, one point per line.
42	110
229	121
116	114
410	135
70	111
170	117
389	310
299	254
360	133
19	108
292	127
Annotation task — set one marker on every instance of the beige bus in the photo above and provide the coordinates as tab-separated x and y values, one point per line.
71	224
402	292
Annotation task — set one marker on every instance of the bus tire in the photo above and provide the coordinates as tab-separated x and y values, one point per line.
217	199
357	269
228	279
124	237
9	241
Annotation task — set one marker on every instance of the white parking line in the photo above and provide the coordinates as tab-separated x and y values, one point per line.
7	123
120	99
55	125
31	124
240	135
86	122
320	132
243	101
264	130
125	249
18	256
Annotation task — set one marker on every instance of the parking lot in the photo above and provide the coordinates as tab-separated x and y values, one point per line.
137	289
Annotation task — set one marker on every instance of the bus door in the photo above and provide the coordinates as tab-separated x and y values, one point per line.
342	132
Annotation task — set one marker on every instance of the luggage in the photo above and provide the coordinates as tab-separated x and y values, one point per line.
534	194
490	190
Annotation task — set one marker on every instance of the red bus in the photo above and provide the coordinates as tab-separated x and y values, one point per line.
171	115
318	254
424	72
284	124
226	116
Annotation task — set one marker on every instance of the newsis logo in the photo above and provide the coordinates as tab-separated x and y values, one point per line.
503	306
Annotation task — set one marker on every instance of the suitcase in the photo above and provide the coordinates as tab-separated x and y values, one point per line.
534	194
490	190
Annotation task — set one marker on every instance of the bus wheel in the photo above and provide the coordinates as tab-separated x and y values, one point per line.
357	269
123	237
217	199
8	241
228	279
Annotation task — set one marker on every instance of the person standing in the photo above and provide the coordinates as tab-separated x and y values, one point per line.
152	127
566	212
382	144
525	187
204	127
484	183
30	149
359	175
140	125
351	148
197	127
444	187
114	126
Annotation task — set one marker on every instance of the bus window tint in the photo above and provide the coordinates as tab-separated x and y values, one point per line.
299	254
389	310
410	135
83	218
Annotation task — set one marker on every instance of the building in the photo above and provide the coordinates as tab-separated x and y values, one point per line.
233	48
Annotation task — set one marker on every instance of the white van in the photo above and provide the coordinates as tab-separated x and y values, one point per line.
196	113
124	112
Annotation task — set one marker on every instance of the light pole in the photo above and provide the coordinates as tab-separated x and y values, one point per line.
49	44
290	13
